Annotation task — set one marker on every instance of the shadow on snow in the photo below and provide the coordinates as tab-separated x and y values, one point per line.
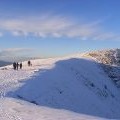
62	87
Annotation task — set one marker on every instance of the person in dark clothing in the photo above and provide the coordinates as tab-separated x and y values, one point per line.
20	65
14	66
29	63
17	65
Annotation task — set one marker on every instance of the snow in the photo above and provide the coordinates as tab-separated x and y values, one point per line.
68	88
13	109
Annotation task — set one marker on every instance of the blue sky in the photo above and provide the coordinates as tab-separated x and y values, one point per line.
48	28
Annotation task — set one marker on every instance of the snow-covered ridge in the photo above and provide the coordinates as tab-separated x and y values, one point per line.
68	88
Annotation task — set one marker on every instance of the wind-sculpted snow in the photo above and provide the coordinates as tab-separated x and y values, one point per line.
70	88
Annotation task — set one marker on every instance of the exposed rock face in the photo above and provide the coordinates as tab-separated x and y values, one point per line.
110	61
109	57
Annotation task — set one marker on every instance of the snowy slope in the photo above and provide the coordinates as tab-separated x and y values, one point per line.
68	88
110	62
13	109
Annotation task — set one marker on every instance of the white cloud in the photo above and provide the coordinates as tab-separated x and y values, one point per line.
56	26
16	49
16	54
13	51
106	36
41	26
19	33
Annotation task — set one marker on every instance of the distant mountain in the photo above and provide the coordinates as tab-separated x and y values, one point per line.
110	61
4	63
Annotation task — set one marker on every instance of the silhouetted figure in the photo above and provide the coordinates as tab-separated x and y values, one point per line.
29	63
17	65
14	66
20	65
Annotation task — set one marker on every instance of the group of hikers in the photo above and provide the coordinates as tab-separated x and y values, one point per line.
17	65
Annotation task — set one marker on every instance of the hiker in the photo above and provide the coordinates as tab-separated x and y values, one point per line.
29	63
17	65
14	65
20	65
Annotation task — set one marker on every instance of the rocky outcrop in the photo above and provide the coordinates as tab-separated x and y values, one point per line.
110	62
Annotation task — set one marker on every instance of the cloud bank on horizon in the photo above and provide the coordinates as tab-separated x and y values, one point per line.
56	26
14	53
